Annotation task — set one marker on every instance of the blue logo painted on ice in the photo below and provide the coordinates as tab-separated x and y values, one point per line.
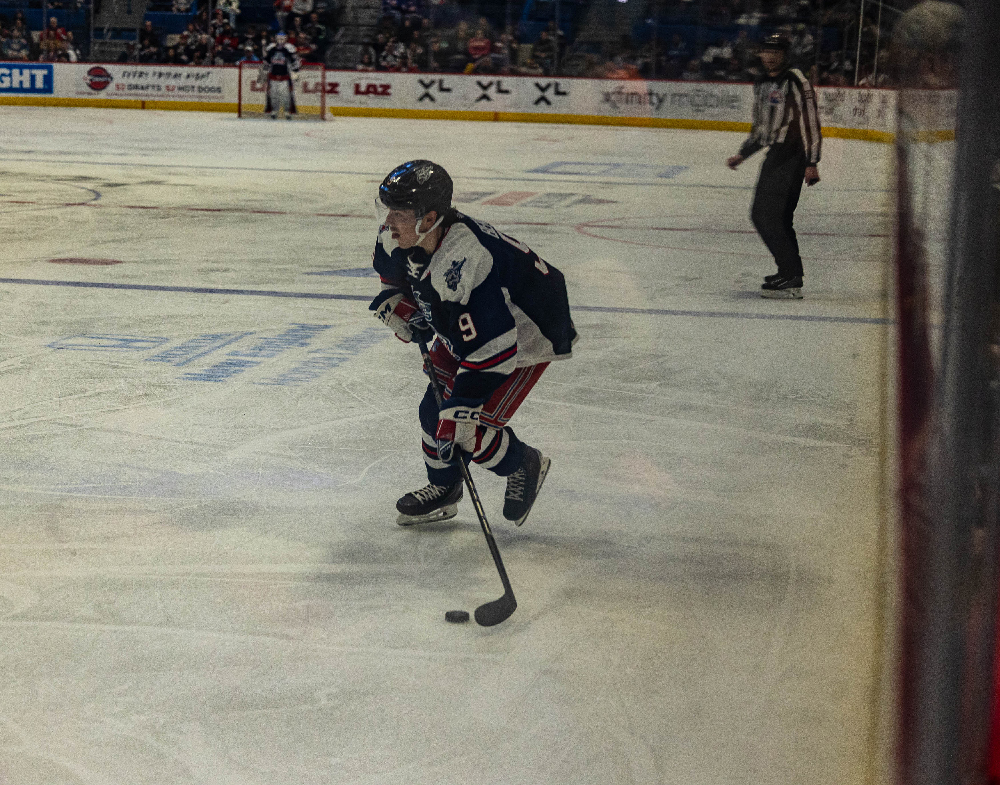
26	78
287	359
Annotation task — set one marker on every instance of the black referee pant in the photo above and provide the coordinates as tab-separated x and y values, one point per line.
774	202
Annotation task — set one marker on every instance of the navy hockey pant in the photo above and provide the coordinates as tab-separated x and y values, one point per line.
497	446
774	202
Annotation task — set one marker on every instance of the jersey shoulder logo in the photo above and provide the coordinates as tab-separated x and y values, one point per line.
454	274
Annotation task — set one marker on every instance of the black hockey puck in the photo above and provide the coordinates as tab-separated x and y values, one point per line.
456	616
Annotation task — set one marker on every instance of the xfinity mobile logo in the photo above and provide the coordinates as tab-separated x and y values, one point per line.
697	100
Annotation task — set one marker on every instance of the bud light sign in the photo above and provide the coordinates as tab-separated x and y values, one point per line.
26	78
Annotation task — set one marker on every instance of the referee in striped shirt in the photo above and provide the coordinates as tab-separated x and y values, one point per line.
785	121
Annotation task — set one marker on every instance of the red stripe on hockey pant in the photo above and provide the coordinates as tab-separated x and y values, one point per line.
510	395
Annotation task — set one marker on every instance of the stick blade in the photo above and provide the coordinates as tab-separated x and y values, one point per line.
491	613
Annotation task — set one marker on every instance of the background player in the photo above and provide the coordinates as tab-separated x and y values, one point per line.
279	61
786	121
498	313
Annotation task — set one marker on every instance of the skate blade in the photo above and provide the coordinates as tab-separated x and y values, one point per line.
543	472
443	514
794	293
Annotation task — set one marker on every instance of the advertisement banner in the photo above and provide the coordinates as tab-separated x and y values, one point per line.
539	95
148	82
845	107
847	112
26	79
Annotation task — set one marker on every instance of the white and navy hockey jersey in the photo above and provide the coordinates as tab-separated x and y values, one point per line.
493	302
280	60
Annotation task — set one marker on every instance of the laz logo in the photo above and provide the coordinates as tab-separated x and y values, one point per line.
487	86
558	92
431	84
332	88
373	89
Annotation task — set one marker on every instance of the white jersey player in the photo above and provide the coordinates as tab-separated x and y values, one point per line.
279	62
498	313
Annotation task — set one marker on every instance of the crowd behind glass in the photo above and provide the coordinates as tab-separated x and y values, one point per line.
696	40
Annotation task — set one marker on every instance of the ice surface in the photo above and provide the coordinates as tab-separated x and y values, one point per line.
201	580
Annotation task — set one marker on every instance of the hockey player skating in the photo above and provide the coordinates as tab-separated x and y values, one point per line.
498	315
278	64
786	121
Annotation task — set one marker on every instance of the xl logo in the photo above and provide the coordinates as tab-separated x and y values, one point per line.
428	85
543	89
487	86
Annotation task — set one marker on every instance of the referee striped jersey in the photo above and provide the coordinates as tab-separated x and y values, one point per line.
784	112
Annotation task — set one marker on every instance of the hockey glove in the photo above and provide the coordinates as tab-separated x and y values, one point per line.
456	430
399	313
420	328
417	260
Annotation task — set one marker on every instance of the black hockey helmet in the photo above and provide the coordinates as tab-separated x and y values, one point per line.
419	185
776	41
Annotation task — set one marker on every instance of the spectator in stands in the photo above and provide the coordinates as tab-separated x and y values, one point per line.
149	44
803	46
227	36
70	53
459	55
249	55
530	67
181	6
216	24
52	41
300	11
319	33
505	51
678	55
378	46
130	54
393	57
742	48
692	71
716	57
199	51
226	53
545	53
367	60
416	53
306	49
620	68
282	8
15	46
231	9
752	16
479	48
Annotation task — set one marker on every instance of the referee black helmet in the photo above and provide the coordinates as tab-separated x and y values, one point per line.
776	41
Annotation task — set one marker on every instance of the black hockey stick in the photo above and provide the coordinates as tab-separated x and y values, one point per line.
498	610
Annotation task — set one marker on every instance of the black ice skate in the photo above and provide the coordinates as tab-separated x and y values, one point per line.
430	503
524	484
782	288
771	278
